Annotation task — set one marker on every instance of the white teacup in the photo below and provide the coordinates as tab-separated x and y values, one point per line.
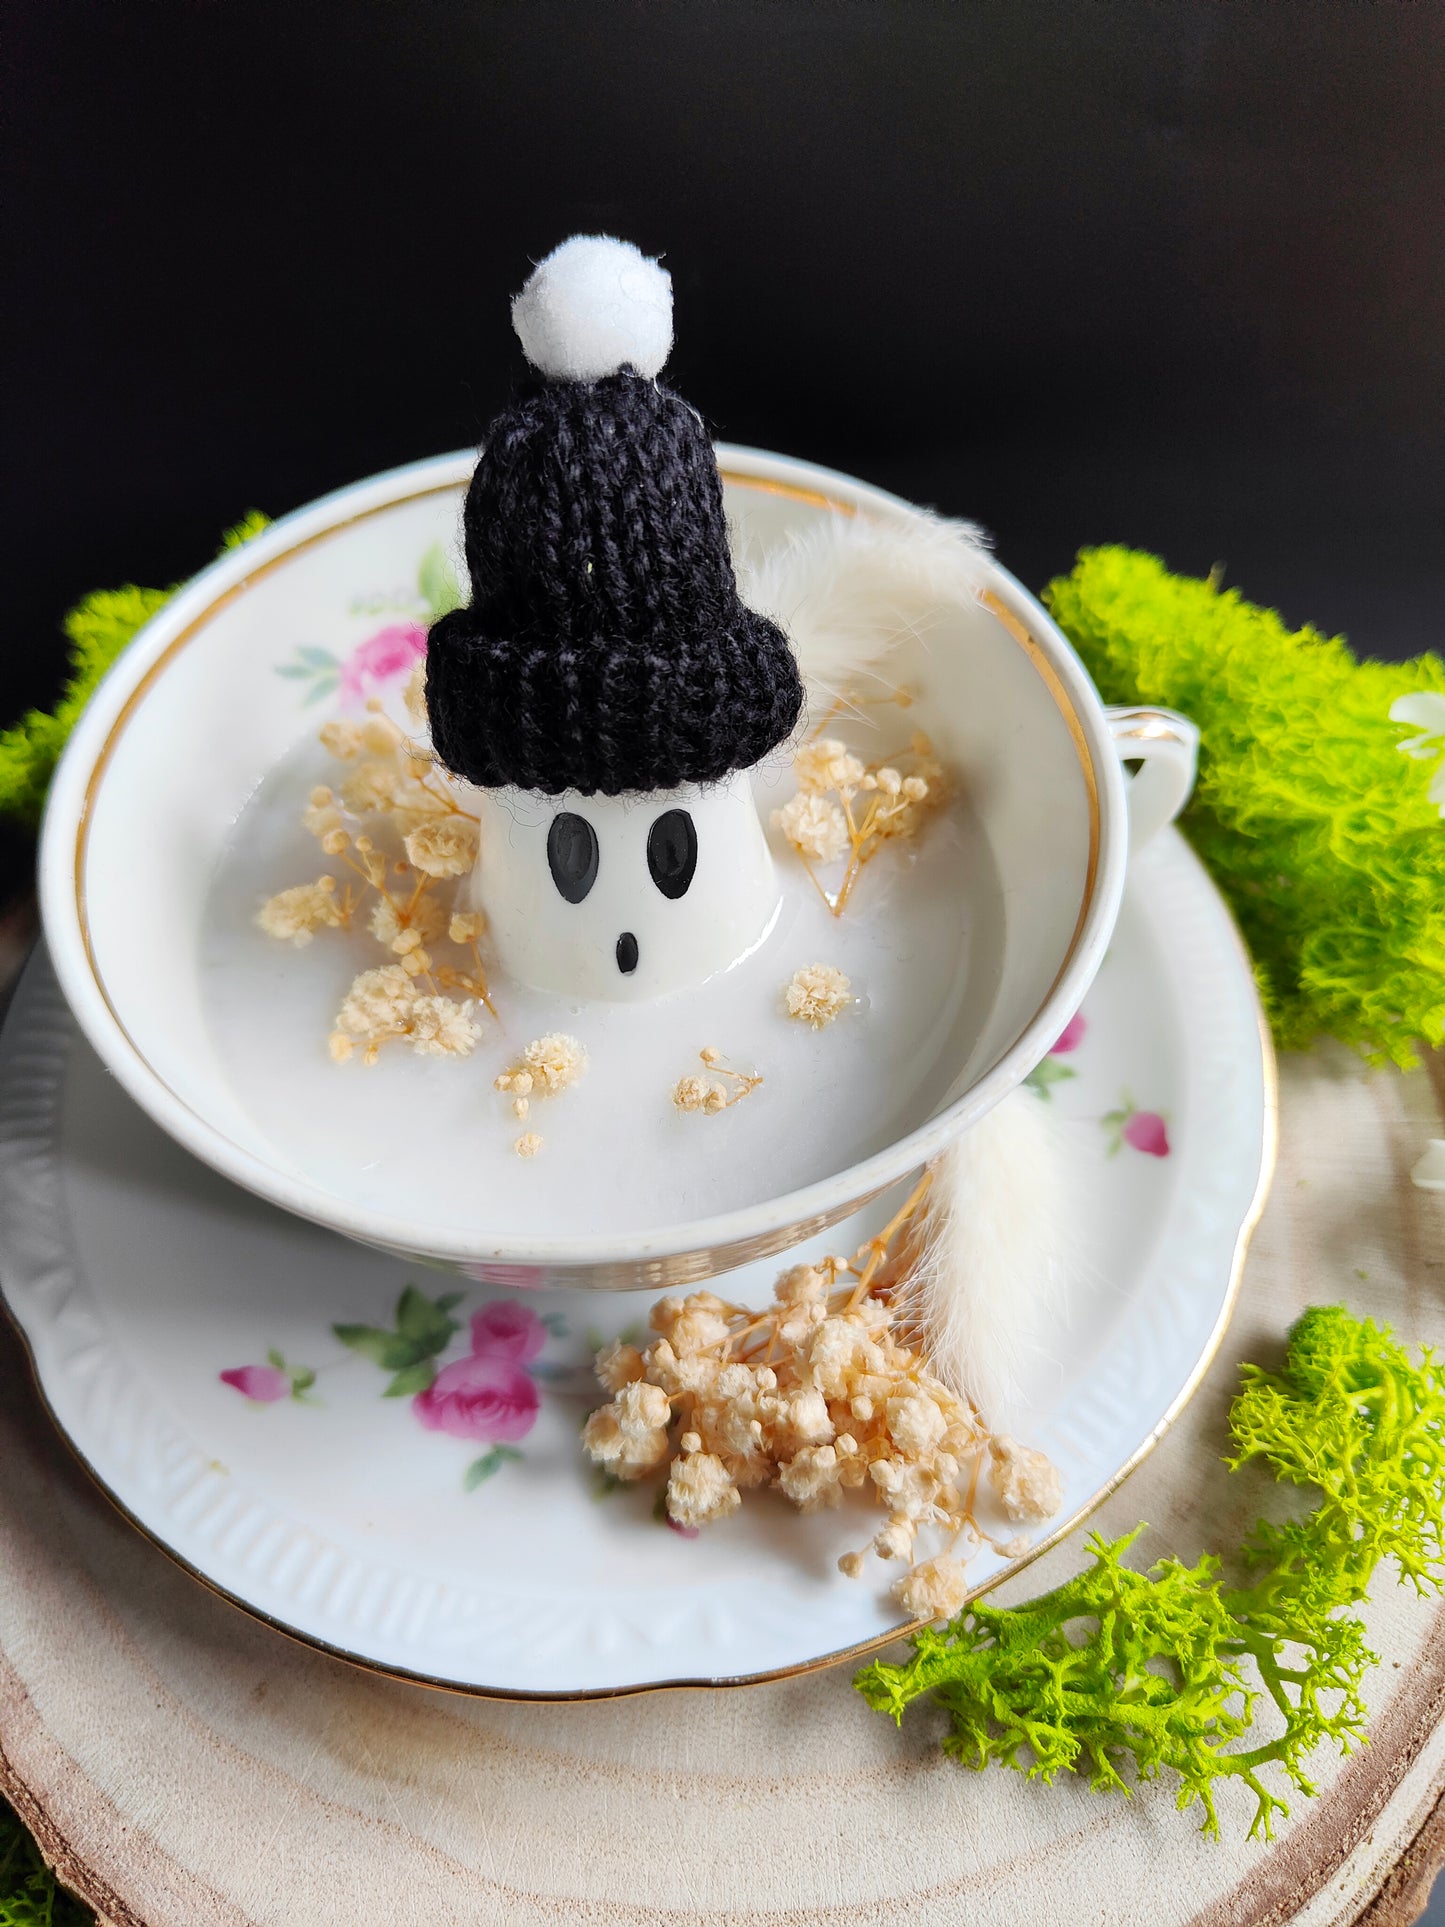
149	791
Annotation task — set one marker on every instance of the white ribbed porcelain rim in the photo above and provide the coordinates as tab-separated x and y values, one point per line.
137	1276
702	1247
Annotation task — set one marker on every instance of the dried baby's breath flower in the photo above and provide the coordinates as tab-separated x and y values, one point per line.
443	847
321	816
627	1454
1025	1482
691	1093
837	1352
371	788
296	915
618	1364
821	1396
378	1005
811	1480
340	1045
548	1066
641	1407
527	1145
414	695
693	1324
844	806
718	1092
521	1106
803	1285
380	735
817	994
699	1490
826	764
916	1423
895	1540
406	926
383	1004
396	780
341	740
441	1028
937	1589
556	1062
815	827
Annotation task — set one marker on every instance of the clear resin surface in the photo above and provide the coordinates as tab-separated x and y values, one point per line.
920	941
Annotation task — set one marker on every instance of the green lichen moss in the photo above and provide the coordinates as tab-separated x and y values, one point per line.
1124	1675
98	629
1317	829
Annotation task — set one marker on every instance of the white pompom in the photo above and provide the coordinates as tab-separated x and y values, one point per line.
592	306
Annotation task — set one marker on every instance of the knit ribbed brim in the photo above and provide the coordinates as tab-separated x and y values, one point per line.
605	648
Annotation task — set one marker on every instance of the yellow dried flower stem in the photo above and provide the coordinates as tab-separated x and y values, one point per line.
372	870
393	780
475	983
697	1094
447	804
878	1248
852	701
893	800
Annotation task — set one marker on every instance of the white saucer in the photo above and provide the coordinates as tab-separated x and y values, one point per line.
491	1562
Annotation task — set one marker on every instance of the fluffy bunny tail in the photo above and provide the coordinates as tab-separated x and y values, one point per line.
852	587
990	1276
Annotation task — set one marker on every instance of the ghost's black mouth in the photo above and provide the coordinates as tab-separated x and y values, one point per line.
627	953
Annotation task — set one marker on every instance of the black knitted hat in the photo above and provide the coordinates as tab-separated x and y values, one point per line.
605	647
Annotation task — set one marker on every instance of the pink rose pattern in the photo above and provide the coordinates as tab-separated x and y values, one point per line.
1141	1130
480	1397
386	659
268	1384
262	1384
1128	1124
505	1330
1071	1036
488	1397
1043	1077
374	666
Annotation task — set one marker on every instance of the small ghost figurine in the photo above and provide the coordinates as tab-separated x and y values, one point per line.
606	691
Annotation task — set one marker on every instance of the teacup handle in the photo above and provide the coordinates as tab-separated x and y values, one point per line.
1166	746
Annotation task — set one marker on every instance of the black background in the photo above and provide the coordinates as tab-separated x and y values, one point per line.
1170	274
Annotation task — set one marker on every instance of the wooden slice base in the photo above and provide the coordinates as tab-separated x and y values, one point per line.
183	1766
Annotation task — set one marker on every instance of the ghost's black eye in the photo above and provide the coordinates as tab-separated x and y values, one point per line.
672	852
572	854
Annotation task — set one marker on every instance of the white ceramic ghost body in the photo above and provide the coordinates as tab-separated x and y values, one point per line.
624	898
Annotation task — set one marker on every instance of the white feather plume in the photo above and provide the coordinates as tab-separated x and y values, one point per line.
988	1290
848	590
